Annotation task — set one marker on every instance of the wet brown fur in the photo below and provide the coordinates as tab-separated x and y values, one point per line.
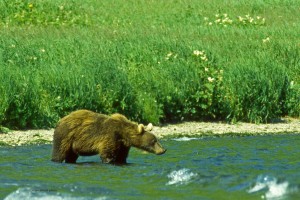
87	133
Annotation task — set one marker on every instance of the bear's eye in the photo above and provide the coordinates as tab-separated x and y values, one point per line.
153	142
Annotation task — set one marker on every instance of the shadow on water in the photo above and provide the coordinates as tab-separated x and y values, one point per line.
254	167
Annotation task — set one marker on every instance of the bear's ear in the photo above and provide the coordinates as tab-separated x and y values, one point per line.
149	127
141	129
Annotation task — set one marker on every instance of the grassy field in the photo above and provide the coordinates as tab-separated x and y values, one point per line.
154	61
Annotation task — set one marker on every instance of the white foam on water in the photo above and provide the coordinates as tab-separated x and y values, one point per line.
274	189
32	194
277	190
180	177
185	139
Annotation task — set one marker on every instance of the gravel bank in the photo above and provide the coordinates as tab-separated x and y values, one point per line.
17	138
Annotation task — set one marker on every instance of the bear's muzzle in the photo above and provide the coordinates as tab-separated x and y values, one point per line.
158	149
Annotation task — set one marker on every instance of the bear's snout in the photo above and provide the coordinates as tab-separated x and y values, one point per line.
158	149
161	152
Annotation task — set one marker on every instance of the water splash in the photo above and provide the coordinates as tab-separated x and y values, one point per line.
273	189
33	194
185	139
180	177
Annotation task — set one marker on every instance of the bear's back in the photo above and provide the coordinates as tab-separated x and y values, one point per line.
79	119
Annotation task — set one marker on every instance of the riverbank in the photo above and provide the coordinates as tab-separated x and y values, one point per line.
189	129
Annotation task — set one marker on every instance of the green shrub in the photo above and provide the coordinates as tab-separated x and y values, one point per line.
165	64
35	12
256	94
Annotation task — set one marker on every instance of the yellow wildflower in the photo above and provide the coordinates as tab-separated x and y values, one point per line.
30	5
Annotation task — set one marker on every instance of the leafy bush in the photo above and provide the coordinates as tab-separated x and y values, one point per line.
256	94
26	12
165	64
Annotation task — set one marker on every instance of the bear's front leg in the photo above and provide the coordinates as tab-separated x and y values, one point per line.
117	158
71	157
107	160
107	155
114	154
122	155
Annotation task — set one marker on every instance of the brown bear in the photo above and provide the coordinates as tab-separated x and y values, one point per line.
86	133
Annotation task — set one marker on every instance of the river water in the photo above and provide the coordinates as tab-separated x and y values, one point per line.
252	167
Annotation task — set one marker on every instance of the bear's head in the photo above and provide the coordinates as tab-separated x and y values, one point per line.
137	135
147	141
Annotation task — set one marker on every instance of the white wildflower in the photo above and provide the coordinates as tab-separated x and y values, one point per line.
292	83
266	40
218	21
204	58
210	79
169	55
198	53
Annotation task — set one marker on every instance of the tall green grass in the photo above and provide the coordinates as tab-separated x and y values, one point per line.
154	61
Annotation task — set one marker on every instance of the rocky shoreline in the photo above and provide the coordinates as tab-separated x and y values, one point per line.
188	129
